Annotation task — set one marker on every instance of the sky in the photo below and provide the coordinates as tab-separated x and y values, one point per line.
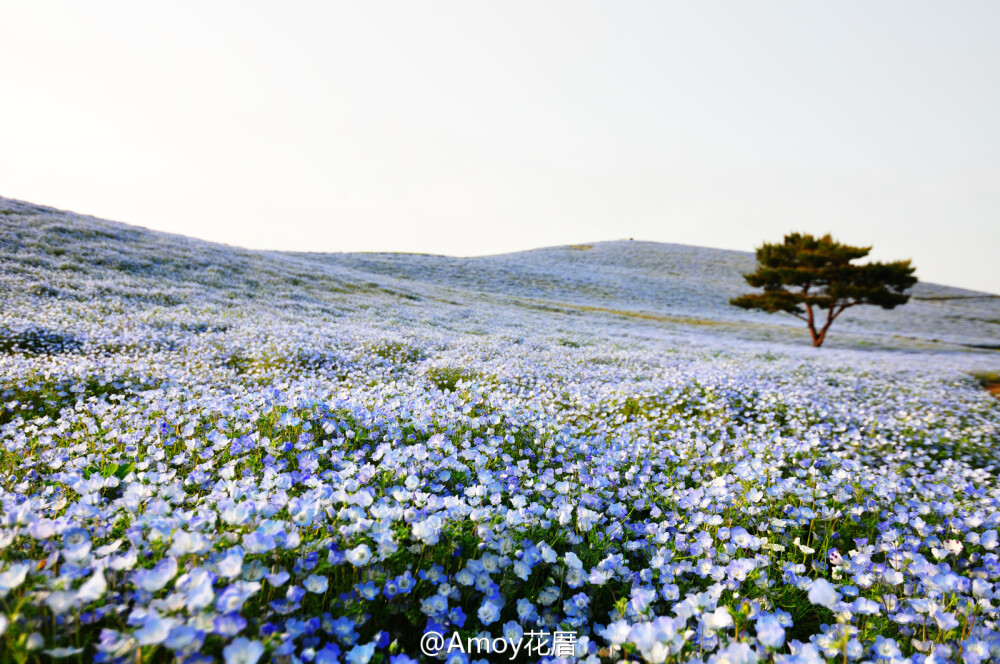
469	128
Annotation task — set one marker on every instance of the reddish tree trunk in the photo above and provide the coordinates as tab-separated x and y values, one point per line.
817	337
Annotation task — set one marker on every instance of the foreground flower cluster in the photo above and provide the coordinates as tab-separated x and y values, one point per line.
179	485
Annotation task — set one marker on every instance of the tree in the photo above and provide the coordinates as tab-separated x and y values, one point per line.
805	276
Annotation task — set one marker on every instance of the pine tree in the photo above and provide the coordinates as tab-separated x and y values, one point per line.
806	276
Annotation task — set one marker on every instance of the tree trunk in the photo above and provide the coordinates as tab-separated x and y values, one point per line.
817	337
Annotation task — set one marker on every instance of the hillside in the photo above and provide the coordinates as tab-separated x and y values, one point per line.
49	256
215	454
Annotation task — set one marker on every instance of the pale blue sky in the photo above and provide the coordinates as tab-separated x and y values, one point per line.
470	127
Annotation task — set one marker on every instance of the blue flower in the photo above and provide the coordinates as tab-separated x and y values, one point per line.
361	654
488	612
243	651
822	593
316	584
770	633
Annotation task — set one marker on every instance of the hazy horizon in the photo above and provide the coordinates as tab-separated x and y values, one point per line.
463	130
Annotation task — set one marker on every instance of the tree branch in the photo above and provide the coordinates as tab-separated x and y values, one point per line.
841	309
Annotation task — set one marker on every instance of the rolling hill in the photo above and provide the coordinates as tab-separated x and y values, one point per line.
48	256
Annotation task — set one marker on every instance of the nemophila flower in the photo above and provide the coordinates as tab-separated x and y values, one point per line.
512	631
945	620
60	653
243	651
361	654
770	632
76	544
316	584
185	543
615	633
42	529
295	594
557	440
975	651
153	629
278	578
184	638
343	630
641	599
12	578
429	530
402	659
230	565
369	590
465	577
735	653
823	594
60	601
717	620
359	555
329	654
405	582
232	598
125	561
259	542
457	616
228	624
196	586
156	578
235	514
526	610
488	612
548	595
885	648
93	588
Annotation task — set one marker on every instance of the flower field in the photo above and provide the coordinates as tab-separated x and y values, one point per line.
196	469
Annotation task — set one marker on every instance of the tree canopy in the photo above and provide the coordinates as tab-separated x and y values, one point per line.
806	276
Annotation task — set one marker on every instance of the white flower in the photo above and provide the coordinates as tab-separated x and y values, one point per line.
803	548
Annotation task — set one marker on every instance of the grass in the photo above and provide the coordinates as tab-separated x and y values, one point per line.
987	378
447	379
